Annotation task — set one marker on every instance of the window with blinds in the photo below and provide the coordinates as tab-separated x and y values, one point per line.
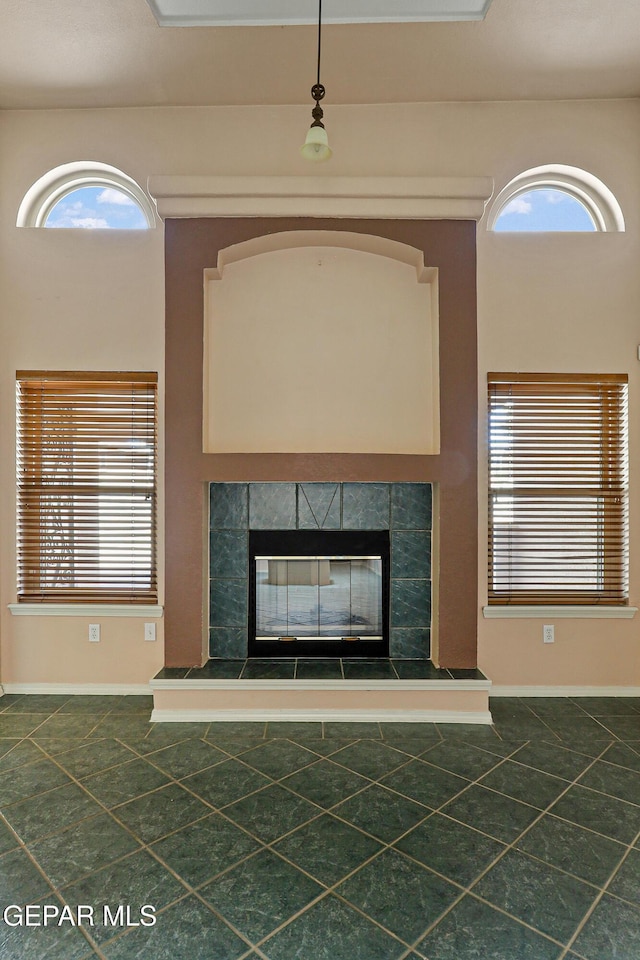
86	487
558	488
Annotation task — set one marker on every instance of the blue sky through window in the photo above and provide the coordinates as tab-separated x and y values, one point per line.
544	210
97	208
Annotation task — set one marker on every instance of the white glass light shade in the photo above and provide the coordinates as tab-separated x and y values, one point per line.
316	146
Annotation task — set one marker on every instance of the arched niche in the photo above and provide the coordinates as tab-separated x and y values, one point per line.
321	341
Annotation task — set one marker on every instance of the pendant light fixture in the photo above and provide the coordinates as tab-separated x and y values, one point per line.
316	146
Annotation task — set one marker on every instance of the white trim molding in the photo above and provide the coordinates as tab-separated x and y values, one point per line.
355	715
504	690
399	198
543	611
148	611
80	689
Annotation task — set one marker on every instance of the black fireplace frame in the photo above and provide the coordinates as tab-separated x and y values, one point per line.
275	543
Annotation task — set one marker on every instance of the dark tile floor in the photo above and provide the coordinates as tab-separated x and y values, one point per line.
334	841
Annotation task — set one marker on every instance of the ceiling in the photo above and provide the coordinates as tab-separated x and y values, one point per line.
98	53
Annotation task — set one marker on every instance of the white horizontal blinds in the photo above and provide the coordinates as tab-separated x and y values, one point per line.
87	487
558	479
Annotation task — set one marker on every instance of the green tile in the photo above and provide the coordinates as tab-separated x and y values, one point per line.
68	726
609	706
292	730
186	931
613	780
18	725
202	850
352	731
260	894
475	931
371	758
165	734
124	782
626	883
325	783
93	756
188	757
236	730
613	818
37	703
330	930
327	849
30	780
137	703
612	932
271	813
93	704
624	728
522	783
123	727
278	758
462	758
50	942
15	755
156	814
400	894
318	670
135	881
425	783
552	758
493	814
225	783
20	881
569	847
620	754
450	848
381	813
82	849
7	839
410	731
50	812
537	894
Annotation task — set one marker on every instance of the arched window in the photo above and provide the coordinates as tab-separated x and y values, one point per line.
86	195
555	198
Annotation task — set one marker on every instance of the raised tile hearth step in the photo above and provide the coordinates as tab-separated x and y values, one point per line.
393	690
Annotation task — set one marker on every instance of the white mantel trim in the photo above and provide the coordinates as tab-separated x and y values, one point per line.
399	198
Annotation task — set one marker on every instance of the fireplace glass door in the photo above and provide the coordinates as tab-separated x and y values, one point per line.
320	603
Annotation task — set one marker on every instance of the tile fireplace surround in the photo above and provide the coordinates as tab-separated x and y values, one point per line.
404	509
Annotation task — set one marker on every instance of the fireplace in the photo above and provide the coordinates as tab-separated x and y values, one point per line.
319	593
344	567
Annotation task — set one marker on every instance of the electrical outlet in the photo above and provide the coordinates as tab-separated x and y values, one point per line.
548	633
149	631
94	633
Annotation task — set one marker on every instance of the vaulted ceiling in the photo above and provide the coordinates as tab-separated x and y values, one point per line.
97	53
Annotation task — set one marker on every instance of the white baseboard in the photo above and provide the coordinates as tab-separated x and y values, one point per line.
343	716
80	689
499	690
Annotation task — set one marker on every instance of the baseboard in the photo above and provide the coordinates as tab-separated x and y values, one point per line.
79	689
343	716
499	690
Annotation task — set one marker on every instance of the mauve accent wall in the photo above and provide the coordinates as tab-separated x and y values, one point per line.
191	246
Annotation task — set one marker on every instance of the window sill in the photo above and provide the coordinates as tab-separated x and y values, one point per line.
149	611
513	611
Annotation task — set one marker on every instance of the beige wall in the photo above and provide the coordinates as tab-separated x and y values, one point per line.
326	361
96	301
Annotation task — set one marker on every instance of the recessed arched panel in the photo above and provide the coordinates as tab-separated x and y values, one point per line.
315	347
